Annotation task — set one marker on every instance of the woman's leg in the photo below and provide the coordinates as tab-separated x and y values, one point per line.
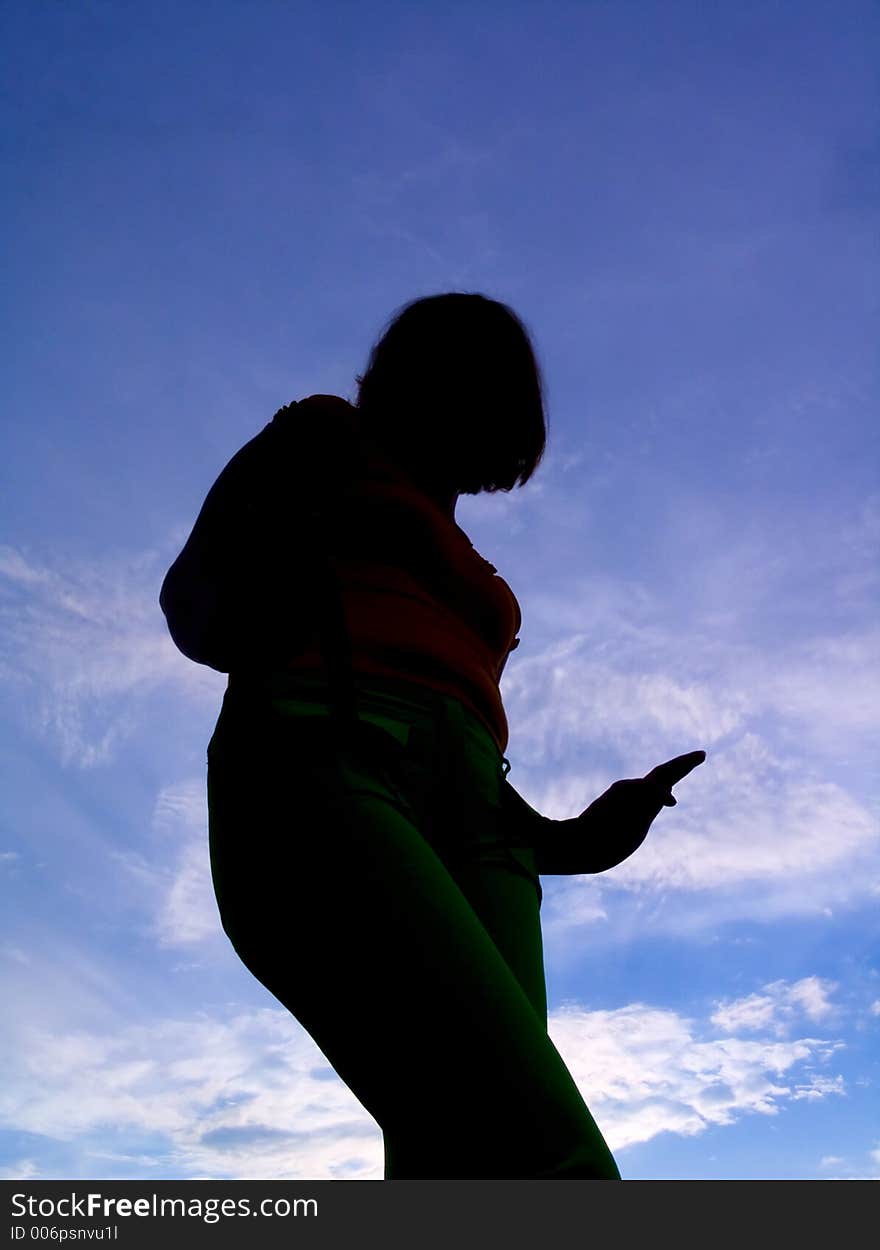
341	908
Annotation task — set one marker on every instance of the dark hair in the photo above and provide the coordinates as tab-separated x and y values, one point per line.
462	366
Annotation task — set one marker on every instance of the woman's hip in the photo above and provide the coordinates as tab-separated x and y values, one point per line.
423	752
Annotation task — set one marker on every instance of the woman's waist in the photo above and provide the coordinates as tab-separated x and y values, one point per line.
401	706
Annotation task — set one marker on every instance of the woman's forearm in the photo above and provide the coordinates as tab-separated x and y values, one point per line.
527	827
562	847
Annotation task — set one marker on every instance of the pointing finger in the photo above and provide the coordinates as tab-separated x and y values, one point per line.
673	770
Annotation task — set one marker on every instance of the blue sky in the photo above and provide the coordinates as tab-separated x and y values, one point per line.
212	210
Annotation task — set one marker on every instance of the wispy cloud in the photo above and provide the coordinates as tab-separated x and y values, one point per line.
186	912
836	1168
24	1169
646	1070
81	645
252	1096
778	820
168	881
248	1097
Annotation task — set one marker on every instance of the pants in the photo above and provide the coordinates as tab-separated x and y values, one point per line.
368	887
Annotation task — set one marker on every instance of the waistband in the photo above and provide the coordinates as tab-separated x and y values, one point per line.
400	706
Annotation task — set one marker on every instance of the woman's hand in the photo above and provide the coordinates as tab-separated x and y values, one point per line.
611	828
617	823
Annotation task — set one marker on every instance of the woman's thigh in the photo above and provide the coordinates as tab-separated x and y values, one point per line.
339	905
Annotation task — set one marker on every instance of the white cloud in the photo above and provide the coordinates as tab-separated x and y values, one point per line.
253	1097
754	1012
777	1006
645	1070
810	993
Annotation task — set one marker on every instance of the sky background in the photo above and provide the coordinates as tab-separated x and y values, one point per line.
212	209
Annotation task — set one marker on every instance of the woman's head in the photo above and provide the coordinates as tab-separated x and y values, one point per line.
453	387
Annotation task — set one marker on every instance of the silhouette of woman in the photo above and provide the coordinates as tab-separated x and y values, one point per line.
384	884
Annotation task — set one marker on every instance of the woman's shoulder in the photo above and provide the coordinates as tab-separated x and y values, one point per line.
317	417
321	431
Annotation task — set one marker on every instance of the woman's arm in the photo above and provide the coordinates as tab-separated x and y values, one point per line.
552	842
192	595
607	832
562	847
227	587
